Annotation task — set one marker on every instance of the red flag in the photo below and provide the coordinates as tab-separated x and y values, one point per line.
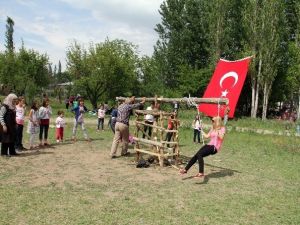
227	82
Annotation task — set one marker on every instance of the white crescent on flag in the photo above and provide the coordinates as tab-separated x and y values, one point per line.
227	75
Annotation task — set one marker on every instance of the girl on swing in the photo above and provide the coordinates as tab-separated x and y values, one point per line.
216	135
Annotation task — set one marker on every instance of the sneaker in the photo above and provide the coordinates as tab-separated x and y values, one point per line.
57	141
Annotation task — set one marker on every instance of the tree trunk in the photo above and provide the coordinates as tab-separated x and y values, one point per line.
257	87
298	112
265	101
253	94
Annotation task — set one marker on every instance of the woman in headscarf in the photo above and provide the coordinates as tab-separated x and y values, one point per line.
8	122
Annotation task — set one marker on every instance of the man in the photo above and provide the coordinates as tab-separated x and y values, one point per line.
122	126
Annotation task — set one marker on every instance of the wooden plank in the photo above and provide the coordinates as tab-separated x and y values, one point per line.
172	131
152	112
222	101
149	125
146	151
150	142
169	142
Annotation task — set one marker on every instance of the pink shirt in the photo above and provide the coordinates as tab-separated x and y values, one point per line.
214	139
101	113
20	111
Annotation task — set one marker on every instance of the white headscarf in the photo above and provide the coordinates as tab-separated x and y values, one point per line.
9	101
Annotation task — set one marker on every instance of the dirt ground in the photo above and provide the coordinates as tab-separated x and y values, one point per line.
74	163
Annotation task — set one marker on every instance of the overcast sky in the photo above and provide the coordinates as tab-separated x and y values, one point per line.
49	26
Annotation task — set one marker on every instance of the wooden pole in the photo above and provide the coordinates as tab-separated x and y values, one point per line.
221	101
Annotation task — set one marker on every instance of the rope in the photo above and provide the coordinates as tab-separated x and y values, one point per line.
192	102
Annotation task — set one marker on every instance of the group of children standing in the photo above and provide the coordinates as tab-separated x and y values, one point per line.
39	121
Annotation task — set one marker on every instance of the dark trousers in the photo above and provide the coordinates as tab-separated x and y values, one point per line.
197	134
148	128
44	130
113	124
206	150
8	149
169	137
100	123
19	136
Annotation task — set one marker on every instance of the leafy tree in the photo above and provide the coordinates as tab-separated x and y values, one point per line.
32	72
104	70
9	35
8	69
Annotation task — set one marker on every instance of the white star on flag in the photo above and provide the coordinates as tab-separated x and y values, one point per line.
224	93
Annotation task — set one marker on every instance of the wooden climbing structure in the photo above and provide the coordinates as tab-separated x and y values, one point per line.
157	144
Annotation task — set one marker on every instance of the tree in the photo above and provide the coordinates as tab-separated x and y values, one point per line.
31	72
104	70
8	69
9	35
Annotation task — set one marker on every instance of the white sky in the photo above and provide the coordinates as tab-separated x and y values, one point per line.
50	26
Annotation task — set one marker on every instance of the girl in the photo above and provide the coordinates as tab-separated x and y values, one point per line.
197	128
45	113
8	122
170	127
101	115
216	135
60	124
33	126
20	116
79	111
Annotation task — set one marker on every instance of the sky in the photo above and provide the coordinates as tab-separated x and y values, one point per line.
50	26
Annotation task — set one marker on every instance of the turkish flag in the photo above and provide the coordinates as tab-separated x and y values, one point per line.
227	82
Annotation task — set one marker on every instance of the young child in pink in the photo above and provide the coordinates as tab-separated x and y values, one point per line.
20	116
60	124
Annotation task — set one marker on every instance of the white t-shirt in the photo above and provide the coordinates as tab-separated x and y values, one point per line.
197	125
101	113
60	122
149	117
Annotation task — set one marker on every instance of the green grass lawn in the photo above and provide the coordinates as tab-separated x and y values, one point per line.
255	179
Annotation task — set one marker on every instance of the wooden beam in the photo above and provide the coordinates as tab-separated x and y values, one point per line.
153	112
221	101
149	125
146	151
156	143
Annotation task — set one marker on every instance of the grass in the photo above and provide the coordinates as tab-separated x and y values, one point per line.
254	180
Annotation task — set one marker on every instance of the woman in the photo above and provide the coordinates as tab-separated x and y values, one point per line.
8	122
216	135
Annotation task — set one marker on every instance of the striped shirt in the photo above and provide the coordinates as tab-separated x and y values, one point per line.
124	112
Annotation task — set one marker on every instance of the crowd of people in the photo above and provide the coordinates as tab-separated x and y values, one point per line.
12	120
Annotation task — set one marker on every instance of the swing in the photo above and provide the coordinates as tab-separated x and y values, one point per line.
190	102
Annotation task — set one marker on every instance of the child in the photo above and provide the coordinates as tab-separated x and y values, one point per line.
20	116
60	124
197	128
45	113
170	127
33	125
101	115
79	111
